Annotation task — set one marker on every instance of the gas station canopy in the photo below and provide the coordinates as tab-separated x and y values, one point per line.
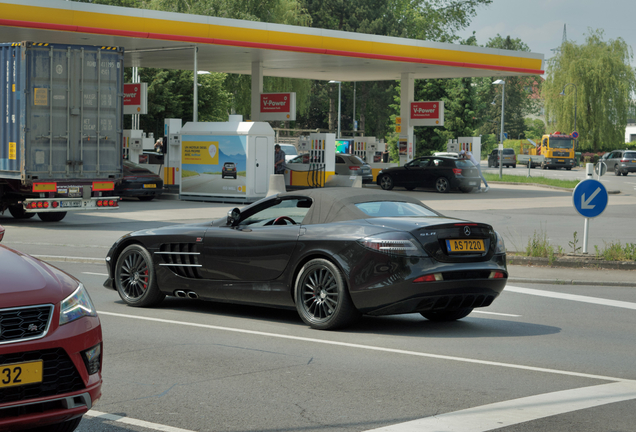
167	40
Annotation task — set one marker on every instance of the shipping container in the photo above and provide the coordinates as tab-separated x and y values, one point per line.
61	127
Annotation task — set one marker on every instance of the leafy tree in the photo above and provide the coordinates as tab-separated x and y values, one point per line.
604	82
517	101
535	129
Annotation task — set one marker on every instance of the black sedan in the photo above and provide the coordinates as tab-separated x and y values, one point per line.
442	173
139	182
332	253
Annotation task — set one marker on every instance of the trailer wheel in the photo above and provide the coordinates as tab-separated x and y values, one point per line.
52	216
18	212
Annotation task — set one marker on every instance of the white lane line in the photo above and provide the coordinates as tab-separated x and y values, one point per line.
572	297
507	413
134	422
95	274
494	313
367	347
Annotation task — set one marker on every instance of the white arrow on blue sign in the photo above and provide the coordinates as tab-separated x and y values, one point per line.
590	198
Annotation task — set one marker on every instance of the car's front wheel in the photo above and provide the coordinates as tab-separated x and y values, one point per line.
135	278
322	299
386	182
442	185
616	170
441	316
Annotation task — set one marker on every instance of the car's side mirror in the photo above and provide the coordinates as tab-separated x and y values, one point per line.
233	217
1	232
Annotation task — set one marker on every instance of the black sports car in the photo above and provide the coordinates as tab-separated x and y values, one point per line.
139	182
439	172
331	253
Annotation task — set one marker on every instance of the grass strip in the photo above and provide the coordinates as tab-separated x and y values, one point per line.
531	180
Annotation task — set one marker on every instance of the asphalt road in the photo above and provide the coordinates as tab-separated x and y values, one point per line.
542	357
529	362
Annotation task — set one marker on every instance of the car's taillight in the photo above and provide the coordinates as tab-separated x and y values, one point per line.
457	171
624	160
429	278
393	243
354	168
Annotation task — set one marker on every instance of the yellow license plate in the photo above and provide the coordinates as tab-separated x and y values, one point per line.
561	160
464	246
150	186
17	374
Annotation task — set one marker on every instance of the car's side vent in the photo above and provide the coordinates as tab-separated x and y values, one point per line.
181	258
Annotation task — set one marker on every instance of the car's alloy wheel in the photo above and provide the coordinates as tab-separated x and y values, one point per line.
321	296
442	185
135	278
616	171
441	316
386	182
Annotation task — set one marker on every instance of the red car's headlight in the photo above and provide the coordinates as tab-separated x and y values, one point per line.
76	305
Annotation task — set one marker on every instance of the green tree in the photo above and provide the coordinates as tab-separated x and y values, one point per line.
605	84
518	102
535	129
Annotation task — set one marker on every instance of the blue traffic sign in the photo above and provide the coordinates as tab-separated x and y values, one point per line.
575	134
590	198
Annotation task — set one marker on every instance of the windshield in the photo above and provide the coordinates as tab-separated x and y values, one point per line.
561	143
289	149
393	209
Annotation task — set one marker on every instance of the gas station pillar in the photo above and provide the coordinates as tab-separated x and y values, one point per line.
407	92
257	89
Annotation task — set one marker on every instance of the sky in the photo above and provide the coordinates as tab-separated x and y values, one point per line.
539	23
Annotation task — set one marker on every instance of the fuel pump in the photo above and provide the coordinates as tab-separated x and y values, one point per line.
318	161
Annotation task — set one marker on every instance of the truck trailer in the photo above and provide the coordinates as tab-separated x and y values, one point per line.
61	128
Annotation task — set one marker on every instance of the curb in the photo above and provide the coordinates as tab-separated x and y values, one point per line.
611	192
577	262
54	258
570	282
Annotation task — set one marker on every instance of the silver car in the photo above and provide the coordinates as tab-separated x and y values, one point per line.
352	165
621	162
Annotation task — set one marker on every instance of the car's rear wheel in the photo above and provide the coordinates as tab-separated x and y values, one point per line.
52	216
514	166
616	171
67	426
442	185
18	212
441	316
322	299
135	278
386	182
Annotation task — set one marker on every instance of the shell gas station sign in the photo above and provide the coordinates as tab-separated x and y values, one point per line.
278	106
427	113
136	98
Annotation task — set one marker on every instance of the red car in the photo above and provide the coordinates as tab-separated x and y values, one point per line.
50	346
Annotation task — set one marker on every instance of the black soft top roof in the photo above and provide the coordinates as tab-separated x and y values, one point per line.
335	204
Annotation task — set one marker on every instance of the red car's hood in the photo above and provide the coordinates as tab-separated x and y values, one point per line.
25	280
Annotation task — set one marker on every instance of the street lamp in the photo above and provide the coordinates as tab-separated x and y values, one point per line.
503	92
576	142
339	99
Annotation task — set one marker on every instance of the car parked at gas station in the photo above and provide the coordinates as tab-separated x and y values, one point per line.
439	172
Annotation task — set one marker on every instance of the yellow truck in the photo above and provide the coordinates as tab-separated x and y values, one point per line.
555	150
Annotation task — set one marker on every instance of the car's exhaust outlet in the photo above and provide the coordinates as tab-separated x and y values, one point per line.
192	295
180	294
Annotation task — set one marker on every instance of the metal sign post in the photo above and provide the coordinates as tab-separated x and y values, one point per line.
590	200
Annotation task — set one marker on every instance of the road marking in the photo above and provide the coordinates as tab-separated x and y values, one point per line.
366	347
512	412
572	297
95	274
495	313
134	422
